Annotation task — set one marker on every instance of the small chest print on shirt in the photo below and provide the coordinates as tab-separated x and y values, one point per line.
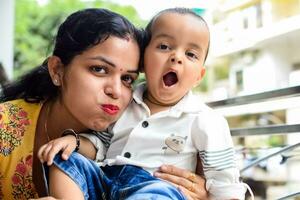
174	143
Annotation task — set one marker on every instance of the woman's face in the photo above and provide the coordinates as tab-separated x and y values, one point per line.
96	85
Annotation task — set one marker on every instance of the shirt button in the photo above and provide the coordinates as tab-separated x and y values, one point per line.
127	155
145	124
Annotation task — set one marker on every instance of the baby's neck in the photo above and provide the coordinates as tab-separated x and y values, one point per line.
155	106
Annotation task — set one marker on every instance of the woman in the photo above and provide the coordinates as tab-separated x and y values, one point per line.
94	62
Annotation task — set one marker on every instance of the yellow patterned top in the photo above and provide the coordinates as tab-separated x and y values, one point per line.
17	130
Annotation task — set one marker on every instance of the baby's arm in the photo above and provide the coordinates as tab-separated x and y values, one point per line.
101	141
66	144
213	140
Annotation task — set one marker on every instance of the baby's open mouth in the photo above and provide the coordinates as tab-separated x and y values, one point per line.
170	79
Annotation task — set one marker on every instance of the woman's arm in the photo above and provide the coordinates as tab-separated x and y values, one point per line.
192	185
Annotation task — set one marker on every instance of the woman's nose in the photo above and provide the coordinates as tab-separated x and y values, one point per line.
113	89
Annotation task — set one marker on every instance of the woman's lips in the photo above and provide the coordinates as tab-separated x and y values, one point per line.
110	109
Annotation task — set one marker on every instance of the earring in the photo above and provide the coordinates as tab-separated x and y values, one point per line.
56	82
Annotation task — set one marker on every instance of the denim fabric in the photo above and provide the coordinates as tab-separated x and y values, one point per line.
115	182
84	172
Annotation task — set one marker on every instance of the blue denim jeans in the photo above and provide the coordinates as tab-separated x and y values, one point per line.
115	182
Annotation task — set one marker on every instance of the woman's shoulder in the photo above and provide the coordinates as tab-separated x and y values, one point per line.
17	123
18	109
17	117
20	103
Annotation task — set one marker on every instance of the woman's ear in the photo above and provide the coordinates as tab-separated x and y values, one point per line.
56	70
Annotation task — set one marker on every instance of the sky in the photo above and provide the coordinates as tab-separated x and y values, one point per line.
148	8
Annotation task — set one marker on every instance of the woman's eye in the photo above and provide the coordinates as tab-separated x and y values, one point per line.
163	47
128	80
192	55
98	69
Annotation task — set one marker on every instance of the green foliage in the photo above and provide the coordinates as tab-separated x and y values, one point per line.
127	11
141	78
276	140
36	26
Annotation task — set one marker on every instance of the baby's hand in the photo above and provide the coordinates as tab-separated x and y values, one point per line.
66	144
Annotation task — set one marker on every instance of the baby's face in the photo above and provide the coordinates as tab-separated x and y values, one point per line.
174	58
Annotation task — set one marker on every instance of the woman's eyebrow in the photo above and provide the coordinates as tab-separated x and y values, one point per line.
103	59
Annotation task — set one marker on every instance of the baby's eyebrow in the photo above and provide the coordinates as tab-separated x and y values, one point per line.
195	46
163	35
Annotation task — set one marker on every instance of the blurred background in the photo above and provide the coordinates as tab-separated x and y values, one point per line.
253	71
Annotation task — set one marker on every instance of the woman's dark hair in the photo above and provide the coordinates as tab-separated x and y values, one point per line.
79	32
178	10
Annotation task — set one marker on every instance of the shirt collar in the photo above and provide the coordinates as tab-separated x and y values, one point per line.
138	92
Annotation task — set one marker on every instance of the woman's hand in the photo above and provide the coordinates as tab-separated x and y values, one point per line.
66	144
190	184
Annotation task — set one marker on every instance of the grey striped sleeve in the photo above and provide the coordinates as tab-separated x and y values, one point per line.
218	160
105	137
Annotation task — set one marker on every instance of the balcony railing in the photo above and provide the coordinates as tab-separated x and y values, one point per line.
233	107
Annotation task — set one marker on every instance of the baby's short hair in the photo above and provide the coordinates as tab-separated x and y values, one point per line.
178	10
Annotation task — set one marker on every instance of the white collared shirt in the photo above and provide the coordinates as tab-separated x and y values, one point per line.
176	136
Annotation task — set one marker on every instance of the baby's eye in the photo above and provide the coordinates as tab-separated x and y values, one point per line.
163	47
99	69
127	80
192	55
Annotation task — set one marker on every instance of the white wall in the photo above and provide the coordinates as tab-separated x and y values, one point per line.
7	13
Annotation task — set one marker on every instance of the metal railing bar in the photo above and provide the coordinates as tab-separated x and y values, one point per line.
257	161
290	196
289	91
265	130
